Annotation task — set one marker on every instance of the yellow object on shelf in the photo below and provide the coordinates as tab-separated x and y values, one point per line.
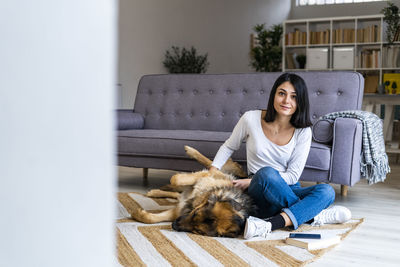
392	83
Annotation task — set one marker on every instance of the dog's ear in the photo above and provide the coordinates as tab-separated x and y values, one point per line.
236	205
212	200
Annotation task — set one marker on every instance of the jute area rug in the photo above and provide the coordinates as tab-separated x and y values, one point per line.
141	244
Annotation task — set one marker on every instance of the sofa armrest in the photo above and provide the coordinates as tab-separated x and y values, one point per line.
346	151
128	119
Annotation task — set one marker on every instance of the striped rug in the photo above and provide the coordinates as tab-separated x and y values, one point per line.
158	245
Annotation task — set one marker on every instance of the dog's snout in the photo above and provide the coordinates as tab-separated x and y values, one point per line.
175	224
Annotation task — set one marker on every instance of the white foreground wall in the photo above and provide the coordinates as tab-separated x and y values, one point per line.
57	177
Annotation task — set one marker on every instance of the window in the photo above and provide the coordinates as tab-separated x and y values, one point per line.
328	2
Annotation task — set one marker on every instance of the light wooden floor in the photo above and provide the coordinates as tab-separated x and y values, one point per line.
375	242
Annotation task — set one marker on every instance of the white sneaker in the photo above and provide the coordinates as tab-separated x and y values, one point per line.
256	227
333	214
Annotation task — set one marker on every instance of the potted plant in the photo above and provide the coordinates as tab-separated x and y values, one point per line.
185	61
392	19
267	54
301	59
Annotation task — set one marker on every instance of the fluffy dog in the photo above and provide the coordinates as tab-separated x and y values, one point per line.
210	205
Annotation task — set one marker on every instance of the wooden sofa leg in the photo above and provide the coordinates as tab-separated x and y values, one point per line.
145	173
343	190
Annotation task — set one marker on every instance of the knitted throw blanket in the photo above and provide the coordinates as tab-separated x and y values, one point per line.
374	161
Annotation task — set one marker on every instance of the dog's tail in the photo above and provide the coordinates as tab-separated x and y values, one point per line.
230	166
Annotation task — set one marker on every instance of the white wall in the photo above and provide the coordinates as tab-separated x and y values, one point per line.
337	10
221	28
57	177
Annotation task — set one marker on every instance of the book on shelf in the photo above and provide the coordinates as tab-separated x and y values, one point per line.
291	62
371	84
392	83
296	37
370	34
391	57
369	58
321	37
312	244
343	36
348	36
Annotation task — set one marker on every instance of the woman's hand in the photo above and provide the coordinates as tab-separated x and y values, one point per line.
241	183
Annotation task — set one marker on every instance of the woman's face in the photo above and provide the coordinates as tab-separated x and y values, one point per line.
285	102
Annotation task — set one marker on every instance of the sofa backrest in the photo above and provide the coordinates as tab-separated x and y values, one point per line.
215	102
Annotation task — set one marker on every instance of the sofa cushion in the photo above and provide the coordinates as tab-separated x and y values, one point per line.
322	131
170	143
319	157
127	119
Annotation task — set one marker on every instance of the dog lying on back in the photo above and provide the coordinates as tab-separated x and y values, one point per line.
210	205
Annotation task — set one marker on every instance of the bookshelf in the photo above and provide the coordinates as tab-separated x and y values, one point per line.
359	40
348	43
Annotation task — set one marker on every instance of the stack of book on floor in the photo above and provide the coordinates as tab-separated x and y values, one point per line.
313	244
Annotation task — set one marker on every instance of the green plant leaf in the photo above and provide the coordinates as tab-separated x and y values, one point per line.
267	55
185	60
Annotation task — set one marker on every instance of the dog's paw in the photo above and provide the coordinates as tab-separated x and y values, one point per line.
182	179
154	193
138	214
175	179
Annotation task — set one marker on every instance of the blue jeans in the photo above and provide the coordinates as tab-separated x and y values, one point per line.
273	195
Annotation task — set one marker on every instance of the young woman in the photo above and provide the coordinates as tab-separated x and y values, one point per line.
278	141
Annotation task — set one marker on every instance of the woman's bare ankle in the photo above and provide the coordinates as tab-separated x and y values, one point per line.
288	221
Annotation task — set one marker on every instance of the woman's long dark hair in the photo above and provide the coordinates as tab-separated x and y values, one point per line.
301	117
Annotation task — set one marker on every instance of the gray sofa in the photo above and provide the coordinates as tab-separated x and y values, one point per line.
200	110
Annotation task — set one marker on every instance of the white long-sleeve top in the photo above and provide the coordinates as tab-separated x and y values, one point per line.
288	159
